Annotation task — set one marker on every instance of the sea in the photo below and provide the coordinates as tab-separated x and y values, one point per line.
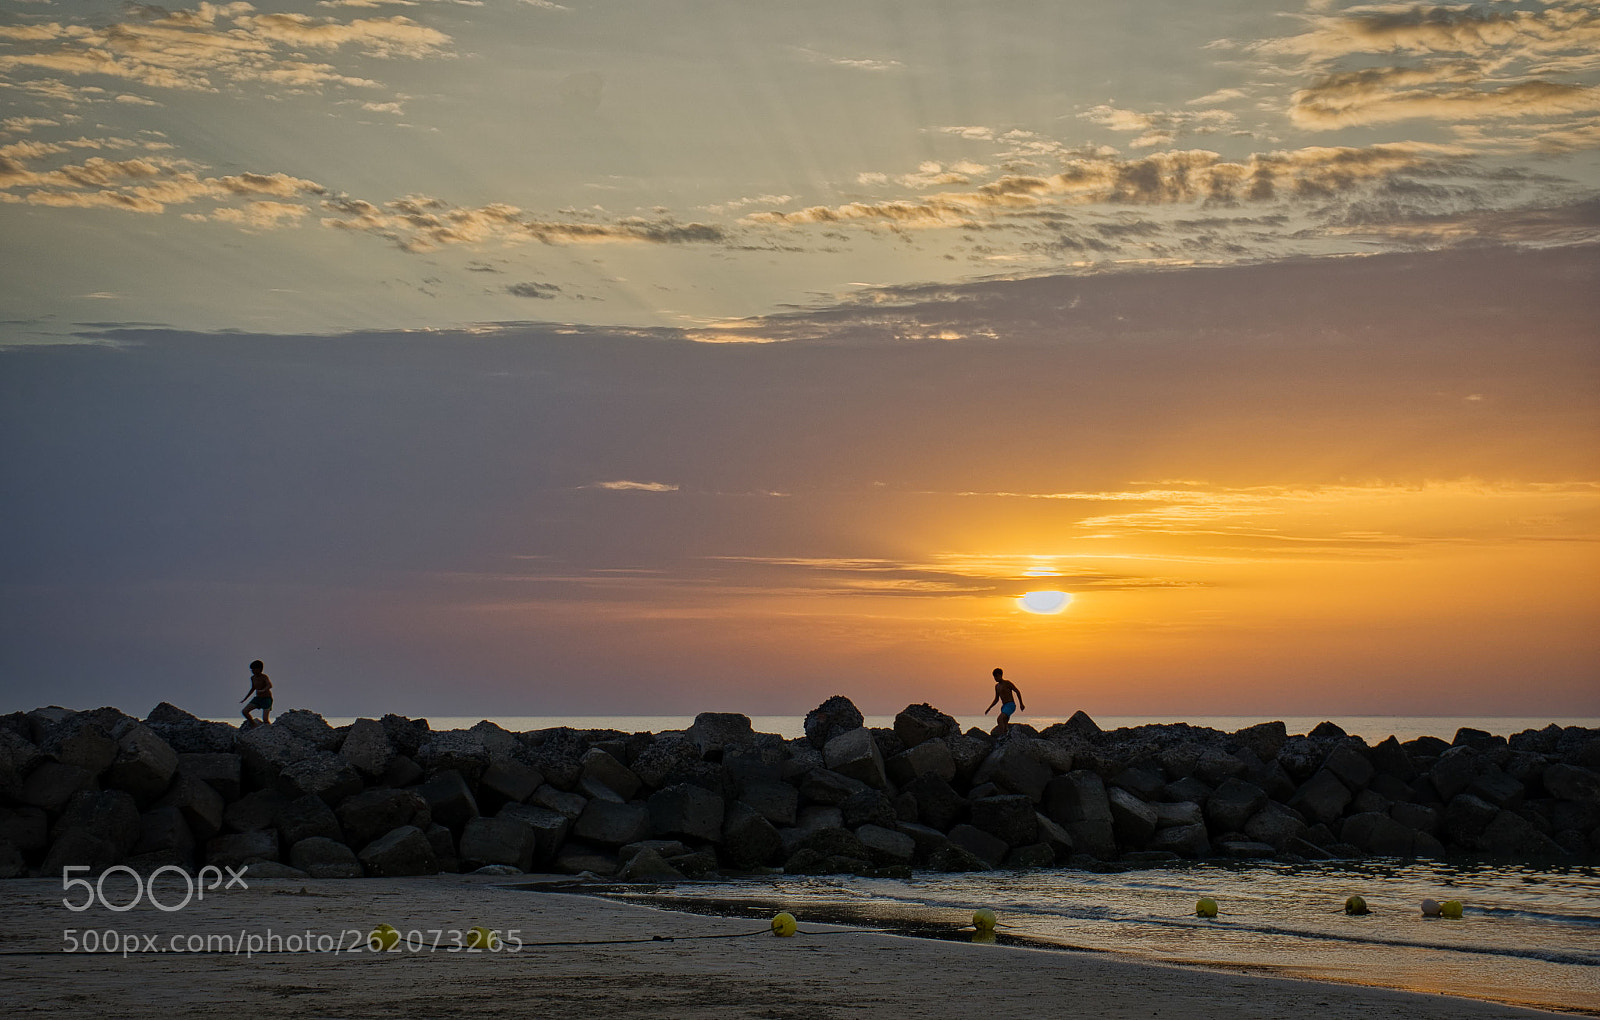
1528	935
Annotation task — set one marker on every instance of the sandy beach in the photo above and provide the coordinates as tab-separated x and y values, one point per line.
824	973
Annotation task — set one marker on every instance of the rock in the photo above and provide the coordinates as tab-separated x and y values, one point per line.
305	817
1327	729
917	724
1184	840
1390	758
274	869
1415	816
199	802
144	764
26	828
1275	825
1133	821
988	848
928	758
18	757
715	732
828	720
369	814
673	759
569	804
268	750
75	847
1263	739
401	852
219	770
1322	798
1187	788
1143	781
938	803
701	864
1232	804
239	848
648	866
12	863
366	747
406	736
497	869
1215	766
1454	771
509	781
1349	765
611	824
824	786
1497	788
1482	740
254	811
320	857
1079	802
51	785
402	771
969	753
597	764
686	810
926	839
807	861
954	858
1301	757
501	743
749	840
776	801
80	741
667	848
1081	725
575	859
1184	812
1511	835
322	775
460	751
549	828
1246	849
110	815
885	845
867	807
310	727
819	816
1465	818
1009	817
1572	782
187	734
444	847
1013	769
854	754
164	829
1377	834
449	798
487	841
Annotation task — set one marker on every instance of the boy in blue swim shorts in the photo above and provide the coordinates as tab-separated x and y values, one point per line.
259	694
1008	698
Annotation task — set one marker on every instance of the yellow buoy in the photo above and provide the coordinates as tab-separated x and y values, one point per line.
783	925
1450	908
1355	906
383	939
483	938
1206	907
985	938
983	919
1430	908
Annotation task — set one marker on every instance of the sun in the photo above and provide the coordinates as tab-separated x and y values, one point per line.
1045	602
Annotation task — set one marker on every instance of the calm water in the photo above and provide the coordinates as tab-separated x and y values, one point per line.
1371	728
1528	936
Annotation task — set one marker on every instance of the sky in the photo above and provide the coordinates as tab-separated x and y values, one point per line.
533	358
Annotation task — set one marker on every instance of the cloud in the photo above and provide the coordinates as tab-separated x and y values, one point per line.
543	291
261	215
215	44
1160	127
625	486
1381	95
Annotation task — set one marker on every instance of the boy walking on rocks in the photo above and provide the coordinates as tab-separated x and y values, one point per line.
259	694
1008	698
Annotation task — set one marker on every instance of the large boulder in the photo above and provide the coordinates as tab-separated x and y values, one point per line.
1498	788
855	754
321	775
165	829
26	828
51	785
602	767
369	814
549	828
920	723
561	801
867	806
199	802
938	803
1183	840
222	771
1455	770
405	735
749	840
1572	782
828	720
1078	800
507	780
18	757
648	865
823	786
487	841
366	747
144	764
886	846
1378	834
1275	825
320	857
985	846
76	847
1009	817
777	801
1183	812
188	734
925	758
686	810
1511	835
1322	798
449	798
1012	768
310	727
1465	818
1232	804
239	848
308	816
257	810
1348	761
611	824
111	815
715	732
399	853
80	740
1263	739
1133	821
669	759
460	751
268	750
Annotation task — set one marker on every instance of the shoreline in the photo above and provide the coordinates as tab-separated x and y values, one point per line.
827	974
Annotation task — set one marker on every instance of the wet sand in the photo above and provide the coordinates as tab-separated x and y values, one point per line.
824	974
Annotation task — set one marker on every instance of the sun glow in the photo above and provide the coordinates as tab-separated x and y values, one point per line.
1045	602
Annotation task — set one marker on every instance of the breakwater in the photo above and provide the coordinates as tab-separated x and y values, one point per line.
392	796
